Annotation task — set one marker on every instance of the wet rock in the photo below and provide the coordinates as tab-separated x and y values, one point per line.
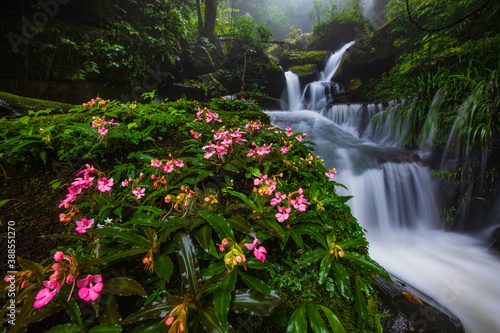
17	106
411	311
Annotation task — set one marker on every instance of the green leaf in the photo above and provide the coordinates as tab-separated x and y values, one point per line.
297	238
219	223
108	310
124	286
313	231
367	263
333	320
318	325
245	199
66	328
341	279
239	223
102	328
360	304
215	268
310	257
298	321
188	263
74	313
256	303
209	321
324	267
222	297
204	236
255	284
28	265
154	310
123	236
122	254
163	266
351	243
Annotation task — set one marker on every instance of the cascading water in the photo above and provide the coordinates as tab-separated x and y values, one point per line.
394	200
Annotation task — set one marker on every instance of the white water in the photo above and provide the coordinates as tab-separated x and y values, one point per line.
395	202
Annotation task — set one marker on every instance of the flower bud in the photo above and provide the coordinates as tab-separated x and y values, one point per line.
169	321
58	256
70	279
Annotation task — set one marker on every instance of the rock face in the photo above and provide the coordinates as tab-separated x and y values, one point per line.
368	58
17	106
410	312
333	36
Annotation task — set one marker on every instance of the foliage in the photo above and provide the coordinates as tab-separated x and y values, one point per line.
204	215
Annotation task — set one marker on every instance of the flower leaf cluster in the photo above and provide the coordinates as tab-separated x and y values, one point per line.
205	220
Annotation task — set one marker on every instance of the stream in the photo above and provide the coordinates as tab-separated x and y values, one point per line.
394	200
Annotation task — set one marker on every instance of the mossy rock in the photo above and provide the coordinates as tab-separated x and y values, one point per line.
297	58
18	106
304	70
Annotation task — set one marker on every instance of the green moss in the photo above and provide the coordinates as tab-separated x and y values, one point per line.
296	58
15	105
304	70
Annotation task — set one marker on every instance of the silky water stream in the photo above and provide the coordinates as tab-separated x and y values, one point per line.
394	200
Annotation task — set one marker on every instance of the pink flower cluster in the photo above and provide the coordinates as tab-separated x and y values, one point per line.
167	166
65	270
267	186
95	101
330	173
224	142
259	152
298	203
85	182
259	253
206	116
102	126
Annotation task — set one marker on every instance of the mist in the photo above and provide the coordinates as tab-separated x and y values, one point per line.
282	16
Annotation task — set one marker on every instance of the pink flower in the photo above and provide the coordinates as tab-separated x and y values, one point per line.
300	203
169	167
209	153
51	284
329	174
283	214
58	256
284	149
251	246
139	192
299	138
278	199
84	182
156	164
71	196
260	253
102	131
125	183
105	184
83	225
43	297
179	163
94	287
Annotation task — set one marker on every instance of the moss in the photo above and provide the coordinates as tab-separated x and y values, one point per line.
304	70
14	105
297	58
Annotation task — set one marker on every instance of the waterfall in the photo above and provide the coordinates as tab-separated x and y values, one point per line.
334	61
318	94
394	200
293	90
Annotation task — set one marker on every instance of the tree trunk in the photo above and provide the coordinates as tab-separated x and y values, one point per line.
210	17
200	18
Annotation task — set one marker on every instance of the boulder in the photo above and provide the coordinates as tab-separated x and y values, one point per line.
412	311
17	106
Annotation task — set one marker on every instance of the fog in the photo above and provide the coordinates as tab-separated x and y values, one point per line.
282	15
